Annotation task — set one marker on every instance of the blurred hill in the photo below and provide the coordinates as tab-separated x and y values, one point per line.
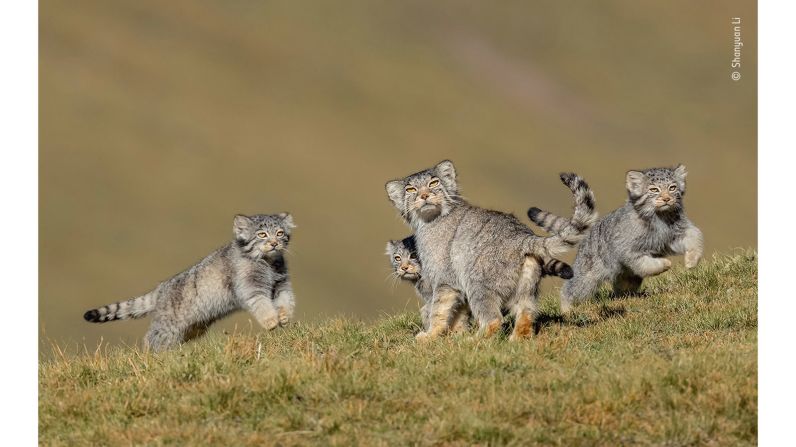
161	120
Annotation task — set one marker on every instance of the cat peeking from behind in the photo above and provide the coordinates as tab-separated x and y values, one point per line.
406	266
485	259
248	273
632	242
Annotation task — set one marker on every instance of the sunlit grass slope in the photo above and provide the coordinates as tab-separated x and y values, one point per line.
675	367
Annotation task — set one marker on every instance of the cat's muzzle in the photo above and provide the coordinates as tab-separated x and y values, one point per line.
429	211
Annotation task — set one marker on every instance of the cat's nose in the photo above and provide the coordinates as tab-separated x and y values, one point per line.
404	267
424	195
274	243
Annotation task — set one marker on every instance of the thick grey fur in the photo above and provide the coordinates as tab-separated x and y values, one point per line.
407	266
632	242
249	273
487	258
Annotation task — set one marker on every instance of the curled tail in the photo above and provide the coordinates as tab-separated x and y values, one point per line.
566	232
583	217
124	310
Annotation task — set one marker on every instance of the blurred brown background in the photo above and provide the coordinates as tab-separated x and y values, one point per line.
161	120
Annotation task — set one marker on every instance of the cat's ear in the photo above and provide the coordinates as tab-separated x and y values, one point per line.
635	183
241	226
287	220
395	191
390	248
679	176
446	172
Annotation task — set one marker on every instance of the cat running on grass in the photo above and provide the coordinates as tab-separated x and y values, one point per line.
249	273
632	242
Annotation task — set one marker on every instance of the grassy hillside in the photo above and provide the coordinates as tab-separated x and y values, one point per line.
675	367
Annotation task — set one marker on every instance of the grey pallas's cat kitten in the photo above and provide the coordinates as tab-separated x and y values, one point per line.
407	266
248	273
631	242
488	258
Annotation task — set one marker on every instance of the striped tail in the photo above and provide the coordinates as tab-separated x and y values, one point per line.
583	217
124	310
554	267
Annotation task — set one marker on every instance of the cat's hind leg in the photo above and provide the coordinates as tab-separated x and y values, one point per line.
486	308
627	283
525	303
461	318
163	335
196	331
580	287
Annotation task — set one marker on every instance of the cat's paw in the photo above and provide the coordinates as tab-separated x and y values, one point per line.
284	317
692	258
270	323
566	308
491	328
459	327
665	264
422	336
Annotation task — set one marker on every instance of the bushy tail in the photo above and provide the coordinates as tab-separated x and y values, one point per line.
554	267
124	310
566	232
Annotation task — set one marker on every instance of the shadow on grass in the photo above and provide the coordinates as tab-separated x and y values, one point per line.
606	311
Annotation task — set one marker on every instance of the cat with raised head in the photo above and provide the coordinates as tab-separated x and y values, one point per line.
248	273
488	259
632	242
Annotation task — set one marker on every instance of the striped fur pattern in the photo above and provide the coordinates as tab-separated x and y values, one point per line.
632	242
133	308
583	217
249	273
488	259
554	267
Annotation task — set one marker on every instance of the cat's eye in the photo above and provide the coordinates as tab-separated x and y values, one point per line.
433	183
397	258
673	188
412	257
280	233
262	234
411	189
655	190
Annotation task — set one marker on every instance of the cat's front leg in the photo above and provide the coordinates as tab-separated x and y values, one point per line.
691	243
442	305
646	265
262	308
285	303
425	315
